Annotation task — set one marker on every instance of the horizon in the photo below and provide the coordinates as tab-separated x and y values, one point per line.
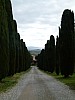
34	48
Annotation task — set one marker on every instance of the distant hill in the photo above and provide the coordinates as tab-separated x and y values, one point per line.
33	48
35	51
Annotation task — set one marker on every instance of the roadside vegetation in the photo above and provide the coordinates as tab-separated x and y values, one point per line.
14	54
58	59
70	81
10	81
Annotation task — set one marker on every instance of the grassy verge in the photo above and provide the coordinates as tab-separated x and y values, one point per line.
9	82
70	81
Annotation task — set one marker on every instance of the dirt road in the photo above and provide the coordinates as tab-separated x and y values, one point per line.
36	85
43	87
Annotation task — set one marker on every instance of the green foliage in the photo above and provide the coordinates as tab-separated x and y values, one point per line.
46	59
57	57
13	52
12	48
52	54
9	82
66	41
70	81
4	43
61	56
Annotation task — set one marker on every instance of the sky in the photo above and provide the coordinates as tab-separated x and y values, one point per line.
38	19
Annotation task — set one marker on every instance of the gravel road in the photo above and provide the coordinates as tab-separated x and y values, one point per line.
36	85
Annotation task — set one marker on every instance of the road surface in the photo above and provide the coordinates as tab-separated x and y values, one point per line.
36	85
44	87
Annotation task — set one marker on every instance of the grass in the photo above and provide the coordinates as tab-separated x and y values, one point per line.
70	81
9	82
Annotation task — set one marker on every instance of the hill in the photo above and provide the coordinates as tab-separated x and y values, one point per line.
35	51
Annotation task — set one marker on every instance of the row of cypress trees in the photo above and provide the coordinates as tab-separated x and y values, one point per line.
46	59
14	56
60	57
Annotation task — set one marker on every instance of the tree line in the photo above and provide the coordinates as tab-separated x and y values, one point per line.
14	55
60	56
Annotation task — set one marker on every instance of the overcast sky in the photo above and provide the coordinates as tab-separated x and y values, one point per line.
38	19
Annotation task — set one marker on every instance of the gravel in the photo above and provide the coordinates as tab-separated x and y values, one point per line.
14	93
58	89
36	85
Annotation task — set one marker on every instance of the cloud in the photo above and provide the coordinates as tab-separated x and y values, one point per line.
38	19
36	34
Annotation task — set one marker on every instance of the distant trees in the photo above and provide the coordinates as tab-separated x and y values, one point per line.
61	57
14	55
41	59
46	59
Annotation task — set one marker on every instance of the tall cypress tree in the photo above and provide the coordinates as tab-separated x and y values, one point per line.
66	38
17	52
12	49
4	41
41	60
12	45
47	58
57	56
52	54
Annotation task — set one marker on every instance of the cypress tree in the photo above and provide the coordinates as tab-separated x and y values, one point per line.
12	49
42	59
21	55
38	60
17	52
57	56
46	59
47	54
4	41
28	58
24	67
12	44
52	54
13	52
66	38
